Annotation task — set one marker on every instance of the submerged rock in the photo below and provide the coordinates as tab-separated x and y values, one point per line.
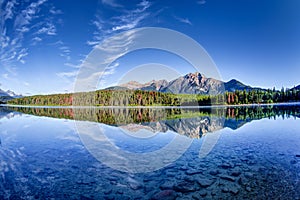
133	184
213	193
233	189
248	189
227	165
242	181
107	191
293	162
193	172
203	193
81	197
248	175
227	178
185	187
199	195
235	173
167	185
165	194
214	172
184	168
205	182
189	179
225	190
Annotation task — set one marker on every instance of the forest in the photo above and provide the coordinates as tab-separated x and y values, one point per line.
262	96
153	98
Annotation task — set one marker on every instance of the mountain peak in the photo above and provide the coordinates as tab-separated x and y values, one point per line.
132	85
191	83
296	87
152	85
9	93
234	81
234	84
194	75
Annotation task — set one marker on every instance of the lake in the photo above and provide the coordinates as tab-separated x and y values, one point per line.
150	153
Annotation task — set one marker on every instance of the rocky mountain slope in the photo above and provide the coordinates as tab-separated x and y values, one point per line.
192	83
296	87
7	95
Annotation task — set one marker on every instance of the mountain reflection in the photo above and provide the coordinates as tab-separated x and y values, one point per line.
191	122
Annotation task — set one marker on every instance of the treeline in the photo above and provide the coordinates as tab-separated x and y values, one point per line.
120	98
262	96
41	100
152	98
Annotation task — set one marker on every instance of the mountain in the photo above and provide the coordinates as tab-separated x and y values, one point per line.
152	85
155	85
3	93
7	95
192	83
116	88
4	99
234	85
132	85
296	87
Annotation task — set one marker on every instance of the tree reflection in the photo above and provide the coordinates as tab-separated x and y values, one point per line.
192	122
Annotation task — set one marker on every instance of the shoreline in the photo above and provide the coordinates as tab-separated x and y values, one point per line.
154	107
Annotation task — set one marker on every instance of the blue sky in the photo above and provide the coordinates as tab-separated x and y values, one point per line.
43	42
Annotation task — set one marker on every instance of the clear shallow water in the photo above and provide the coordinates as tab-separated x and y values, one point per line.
46	157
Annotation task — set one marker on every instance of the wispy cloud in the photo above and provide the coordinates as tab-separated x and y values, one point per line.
55	11
10	43
71	65
129	19
112	45
201	2
132	18
99	32
8	14
65	49
104	29
65	52
183	20
128	24
18	22
36	40
48	29
69	79
23	53
59	42
112	3
70	74
96	70
25	17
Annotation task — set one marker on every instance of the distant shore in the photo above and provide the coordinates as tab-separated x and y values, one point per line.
154	107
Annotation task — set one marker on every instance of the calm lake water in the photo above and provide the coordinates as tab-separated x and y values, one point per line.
224	153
